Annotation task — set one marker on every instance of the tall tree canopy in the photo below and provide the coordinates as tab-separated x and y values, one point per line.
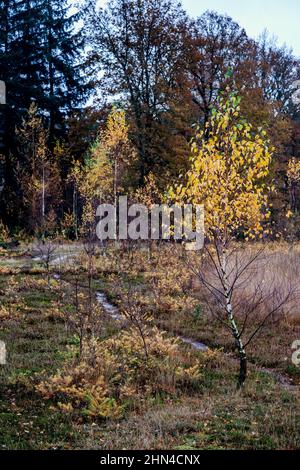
217	45
150	59
40	59
41	50
140	49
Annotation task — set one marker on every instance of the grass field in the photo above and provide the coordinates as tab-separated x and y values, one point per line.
37	326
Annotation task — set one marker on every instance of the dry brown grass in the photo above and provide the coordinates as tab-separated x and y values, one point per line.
275	276
160	427
172	293
212	415
269	282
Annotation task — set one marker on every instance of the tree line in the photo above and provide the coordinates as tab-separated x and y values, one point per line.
112	96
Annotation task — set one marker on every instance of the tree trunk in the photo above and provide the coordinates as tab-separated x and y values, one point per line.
234	328
43	194
75	219
243	369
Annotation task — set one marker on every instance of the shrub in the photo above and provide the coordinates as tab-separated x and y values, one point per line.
114	374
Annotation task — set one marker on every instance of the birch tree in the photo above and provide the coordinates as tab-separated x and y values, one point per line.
108	170
229	167
38	173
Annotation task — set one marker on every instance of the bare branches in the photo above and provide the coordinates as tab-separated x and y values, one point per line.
46	250
245	293
270	314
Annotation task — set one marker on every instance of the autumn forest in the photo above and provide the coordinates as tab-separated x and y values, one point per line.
147	341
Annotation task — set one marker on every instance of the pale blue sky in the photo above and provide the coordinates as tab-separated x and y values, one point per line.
280	17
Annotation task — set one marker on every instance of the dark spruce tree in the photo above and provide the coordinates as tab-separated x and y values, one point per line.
65	87
41	60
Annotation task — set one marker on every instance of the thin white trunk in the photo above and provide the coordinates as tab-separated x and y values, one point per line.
116	181
233	325
75	211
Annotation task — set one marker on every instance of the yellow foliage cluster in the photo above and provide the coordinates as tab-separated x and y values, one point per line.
36	283
4	313
168	284
149	194
229	166
4	234
293	171
39	175
109	159
115	373
108	168
165	277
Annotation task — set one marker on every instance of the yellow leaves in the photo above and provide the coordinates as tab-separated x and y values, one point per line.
4	235
108	167
103	407
193	372
293	171
65	407
4	313
149	194
227	174
116	131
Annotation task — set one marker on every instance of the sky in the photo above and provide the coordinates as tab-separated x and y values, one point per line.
280	17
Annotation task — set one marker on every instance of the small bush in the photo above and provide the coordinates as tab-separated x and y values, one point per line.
115	374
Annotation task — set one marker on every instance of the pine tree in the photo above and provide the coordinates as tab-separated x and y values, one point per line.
41	59
64	82
25	58
4	34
